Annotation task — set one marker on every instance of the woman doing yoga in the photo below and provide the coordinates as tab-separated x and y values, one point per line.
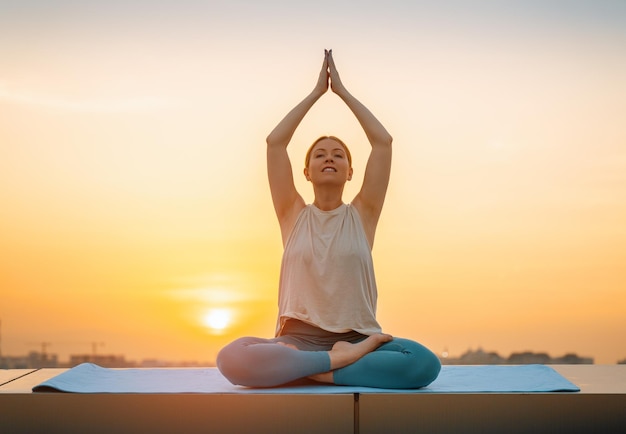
327	328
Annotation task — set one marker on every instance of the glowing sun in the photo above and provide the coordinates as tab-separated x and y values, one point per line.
217	320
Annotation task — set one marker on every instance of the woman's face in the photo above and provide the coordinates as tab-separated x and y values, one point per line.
328	163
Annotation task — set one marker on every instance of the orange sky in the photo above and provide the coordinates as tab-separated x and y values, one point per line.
135	201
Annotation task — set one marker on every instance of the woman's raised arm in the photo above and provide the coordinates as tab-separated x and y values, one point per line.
369	201
287	201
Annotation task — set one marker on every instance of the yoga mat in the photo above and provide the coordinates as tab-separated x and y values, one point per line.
90	378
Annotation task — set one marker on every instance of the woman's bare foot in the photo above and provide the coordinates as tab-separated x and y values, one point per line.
325	377
293	347
344	353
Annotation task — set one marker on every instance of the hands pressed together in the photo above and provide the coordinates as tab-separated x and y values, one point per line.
329	76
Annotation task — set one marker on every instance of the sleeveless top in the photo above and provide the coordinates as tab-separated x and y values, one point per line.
327	273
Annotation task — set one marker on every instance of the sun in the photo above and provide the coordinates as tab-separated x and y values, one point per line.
217	320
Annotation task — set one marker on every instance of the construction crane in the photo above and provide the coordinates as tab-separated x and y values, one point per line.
44	348
94	347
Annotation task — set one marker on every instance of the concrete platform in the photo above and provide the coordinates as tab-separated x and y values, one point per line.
7	375
600	406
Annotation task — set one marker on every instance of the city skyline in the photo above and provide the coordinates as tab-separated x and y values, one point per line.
470	356
36	359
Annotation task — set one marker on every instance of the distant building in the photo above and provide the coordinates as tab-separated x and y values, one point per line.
37	360
478	357
528	358
106	361
33	360
481	357
572	359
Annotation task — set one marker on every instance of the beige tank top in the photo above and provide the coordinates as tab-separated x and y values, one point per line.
327	273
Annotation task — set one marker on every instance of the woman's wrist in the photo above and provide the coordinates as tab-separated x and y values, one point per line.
317	93
342	92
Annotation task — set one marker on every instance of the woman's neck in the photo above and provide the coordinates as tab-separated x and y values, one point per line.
328	200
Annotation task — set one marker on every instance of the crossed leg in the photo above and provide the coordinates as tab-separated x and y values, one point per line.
257	362
377	361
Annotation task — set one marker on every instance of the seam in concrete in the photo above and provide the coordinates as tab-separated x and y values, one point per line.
356	414
17	378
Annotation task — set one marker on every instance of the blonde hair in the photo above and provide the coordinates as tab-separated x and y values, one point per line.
307	158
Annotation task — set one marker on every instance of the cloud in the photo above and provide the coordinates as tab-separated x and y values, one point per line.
123	105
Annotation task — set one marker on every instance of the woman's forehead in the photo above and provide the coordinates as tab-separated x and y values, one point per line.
328	144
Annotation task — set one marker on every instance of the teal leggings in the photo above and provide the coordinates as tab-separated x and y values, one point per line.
257	362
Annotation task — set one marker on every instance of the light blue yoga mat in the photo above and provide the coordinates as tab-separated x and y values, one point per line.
90	378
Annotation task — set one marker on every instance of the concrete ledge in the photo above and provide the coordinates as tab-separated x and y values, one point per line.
72	413
599	407
492	413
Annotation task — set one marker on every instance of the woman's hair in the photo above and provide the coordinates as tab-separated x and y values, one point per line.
307	158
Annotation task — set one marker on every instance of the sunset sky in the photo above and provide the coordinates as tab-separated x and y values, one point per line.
135	211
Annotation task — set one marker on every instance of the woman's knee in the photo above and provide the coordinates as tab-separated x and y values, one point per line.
232	361
428	369
424	365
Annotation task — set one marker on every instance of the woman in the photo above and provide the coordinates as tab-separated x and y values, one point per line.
327	329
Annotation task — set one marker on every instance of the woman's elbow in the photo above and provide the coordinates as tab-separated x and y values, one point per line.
385	140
